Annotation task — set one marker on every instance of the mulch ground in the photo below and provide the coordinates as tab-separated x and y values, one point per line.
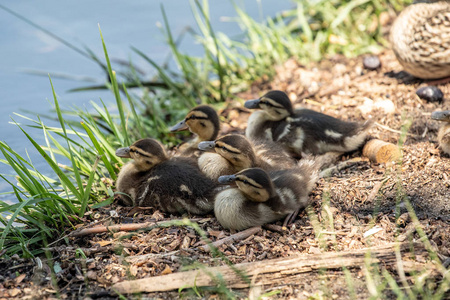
346	205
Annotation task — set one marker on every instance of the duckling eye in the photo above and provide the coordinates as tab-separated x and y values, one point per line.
203	124
245	181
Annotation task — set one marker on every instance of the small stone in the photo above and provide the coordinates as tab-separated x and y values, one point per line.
371	62
430	93
91	275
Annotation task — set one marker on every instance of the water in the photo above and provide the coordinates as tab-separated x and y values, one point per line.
25	48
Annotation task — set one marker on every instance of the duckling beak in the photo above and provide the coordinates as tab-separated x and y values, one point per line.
179	126
227	179
123	152
205	146
252	104
441	115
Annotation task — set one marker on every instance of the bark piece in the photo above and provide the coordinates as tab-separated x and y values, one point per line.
234	237
379	151
268	272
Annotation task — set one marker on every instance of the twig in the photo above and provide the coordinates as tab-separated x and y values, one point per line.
124	227
273	227
97	248
339	167
396	131
86	251
375	190
144	257
425	131
232	238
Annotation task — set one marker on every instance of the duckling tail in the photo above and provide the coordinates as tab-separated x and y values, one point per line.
313	165
319	162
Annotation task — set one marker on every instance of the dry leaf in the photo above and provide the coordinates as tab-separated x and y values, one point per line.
101	243
133	270
20	278
218	234
167	270
14	292
186	243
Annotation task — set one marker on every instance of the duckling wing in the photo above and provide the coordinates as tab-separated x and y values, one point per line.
323	124
178	186
318	133
293	187
272	156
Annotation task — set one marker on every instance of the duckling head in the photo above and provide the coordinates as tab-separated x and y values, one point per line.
233	147
201	120
146	153
441	115
253	182
276	104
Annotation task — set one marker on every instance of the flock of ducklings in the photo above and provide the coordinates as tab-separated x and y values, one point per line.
255	179
245	180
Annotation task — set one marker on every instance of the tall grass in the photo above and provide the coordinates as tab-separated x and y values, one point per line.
307	32
49	205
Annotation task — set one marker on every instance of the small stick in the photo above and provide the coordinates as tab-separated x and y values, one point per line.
86	251
396	131
339	167
375	190
273	227
124	227
233	238
145	257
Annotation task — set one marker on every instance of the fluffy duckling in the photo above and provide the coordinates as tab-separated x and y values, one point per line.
234	152
259	198
202	121
303	130
420	38
444	131
174	185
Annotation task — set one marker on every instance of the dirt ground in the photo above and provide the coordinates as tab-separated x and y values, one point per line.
357	196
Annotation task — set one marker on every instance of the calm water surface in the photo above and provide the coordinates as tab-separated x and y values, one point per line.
25	48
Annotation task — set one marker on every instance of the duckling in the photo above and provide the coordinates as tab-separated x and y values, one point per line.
202	121
234	152
174	185
303	130
260	198
420	38
444	131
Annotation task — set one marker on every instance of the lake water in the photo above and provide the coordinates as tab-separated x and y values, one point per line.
124	24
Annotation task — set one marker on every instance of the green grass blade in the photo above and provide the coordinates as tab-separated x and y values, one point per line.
115	86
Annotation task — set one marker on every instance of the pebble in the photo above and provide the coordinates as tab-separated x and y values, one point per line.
430	94
371	62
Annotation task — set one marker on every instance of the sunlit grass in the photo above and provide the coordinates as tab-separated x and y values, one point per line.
48	205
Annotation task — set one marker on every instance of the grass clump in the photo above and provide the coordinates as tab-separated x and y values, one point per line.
48	205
